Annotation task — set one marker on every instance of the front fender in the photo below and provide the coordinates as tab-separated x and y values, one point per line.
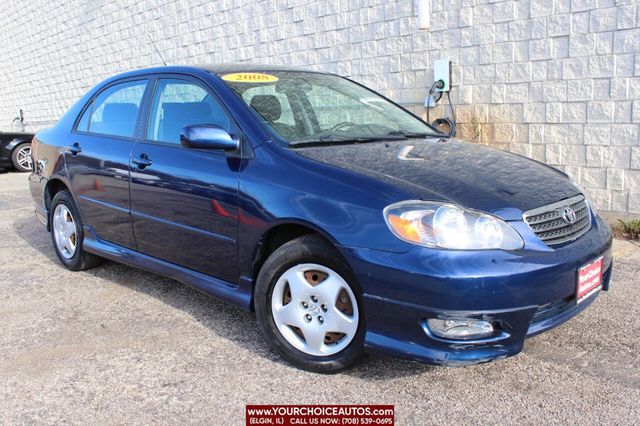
280	187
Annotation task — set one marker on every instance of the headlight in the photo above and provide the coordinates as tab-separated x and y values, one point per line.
434	224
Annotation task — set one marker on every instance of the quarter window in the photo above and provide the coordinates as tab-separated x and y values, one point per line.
179	103
115	110
83	124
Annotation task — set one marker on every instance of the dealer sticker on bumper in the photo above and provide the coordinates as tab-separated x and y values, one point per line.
589	280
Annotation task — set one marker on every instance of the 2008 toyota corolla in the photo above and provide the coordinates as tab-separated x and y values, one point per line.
347	223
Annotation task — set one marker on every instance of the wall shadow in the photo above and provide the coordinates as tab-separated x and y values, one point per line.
221	318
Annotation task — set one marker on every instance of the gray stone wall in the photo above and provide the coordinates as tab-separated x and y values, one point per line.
555	80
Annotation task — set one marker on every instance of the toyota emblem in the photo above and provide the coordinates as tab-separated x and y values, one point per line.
568	215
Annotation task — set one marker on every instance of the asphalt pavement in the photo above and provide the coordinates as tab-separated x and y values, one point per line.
117	345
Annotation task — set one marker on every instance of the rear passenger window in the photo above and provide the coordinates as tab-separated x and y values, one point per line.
115	110
178	103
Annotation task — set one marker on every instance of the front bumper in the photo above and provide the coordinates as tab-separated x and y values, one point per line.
522	293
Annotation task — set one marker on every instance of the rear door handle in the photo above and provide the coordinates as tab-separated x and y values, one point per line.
142	161
74	149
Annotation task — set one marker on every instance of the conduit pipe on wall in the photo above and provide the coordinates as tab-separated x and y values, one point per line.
424	14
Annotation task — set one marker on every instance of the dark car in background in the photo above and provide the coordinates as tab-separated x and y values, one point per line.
15	151
345	222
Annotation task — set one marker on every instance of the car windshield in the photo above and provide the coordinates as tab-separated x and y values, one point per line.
312	108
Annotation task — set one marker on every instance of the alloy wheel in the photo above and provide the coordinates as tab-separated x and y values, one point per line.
23	157
64	231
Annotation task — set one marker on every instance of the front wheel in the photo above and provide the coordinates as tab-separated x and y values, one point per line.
308	306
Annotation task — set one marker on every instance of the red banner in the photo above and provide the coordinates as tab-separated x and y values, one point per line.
320	415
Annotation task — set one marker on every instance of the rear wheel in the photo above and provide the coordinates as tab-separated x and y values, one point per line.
21	157
308	306
67	234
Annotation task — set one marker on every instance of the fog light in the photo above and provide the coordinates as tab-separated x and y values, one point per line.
460	329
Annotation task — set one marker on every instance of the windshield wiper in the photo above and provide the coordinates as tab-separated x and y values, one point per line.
338	140
408	134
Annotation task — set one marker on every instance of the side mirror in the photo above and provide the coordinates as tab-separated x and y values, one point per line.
207	136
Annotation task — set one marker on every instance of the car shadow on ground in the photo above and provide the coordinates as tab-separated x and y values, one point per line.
224	319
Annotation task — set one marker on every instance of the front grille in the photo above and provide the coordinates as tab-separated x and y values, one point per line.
548	224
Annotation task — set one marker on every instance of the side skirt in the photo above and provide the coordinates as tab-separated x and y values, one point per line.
237	294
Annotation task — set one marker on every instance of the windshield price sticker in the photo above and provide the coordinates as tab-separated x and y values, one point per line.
250	77
320	415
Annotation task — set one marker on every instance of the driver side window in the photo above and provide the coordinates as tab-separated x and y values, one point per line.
178	103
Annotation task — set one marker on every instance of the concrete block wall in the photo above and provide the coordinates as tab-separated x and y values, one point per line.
555	80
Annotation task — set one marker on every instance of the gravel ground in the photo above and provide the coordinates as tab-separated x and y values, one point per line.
118	345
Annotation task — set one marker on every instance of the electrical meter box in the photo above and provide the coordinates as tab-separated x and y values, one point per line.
442	71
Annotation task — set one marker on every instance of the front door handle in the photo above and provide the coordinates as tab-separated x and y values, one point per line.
74	149
142	162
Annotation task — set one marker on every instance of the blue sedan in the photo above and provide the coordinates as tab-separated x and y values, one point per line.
348	224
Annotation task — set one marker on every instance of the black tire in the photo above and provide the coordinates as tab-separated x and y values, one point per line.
306	249
81	260
16	161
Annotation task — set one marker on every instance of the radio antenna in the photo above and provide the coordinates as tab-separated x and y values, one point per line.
157	51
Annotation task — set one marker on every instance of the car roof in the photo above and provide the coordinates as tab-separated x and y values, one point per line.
244	67
212	68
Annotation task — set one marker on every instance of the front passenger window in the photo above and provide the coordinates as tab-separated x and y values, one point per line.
179	103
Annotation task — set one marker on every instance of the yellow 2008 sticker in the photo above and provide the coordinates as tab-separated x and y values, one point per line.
250	77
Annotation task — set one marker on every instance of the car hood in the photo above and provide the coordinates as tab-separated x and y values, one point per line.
463	173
